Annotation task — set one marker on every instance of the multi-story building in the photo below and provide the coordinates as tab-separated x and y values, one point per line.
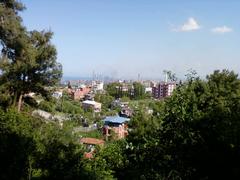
97	86
95	106
115	127
163	89
79	93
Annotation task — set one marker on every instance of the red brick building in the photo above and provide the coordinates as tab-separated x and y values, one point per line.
116	127
79	93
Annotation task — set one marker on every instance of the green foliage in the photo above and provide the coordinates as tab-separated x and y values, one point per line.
139	91
125	99
30	101
69	107
195	135
113	154
97	168
170	75
47	106
5	98
28	59
57	155
135	91
113	89
105	99
92	134
30	148
111	112
141	147
66	106
16	144
33	149
157	107
108	161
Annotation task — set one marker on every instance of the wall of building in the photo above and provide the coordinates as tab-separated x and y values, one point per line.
162	90
119	132
79	93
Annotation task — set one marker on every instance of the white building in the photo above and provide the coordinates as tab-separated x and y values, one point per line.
96	106
97	86
57	94
148	90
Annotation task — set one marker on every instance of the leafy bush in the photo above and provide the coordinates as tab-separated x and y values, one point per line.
69	107
47	106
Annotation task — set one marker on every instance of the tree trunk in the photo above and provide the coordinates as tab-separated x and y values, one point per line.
15	99
20	102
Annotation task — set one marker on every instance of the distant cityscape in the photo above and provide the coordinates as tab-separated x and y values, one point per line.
84	88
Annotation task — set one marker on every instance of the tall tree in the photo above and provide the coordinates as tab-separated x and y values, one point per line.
11	32
170	76
139	91
28	59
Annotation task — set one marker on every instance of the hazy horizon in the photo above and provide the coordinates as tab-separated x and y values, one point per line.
122	39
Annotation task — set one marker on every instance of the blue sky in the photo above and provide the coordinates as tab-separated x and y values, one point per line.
122	38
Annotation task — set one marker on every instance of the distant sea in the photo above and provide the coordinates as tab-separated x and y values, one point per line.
67	78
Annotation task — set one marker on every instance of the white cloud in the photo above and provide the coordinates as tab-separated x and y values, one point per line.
221	30
190	25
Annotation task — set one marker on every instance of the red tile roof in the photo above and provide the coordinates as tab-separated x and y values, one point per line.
93	141
88	155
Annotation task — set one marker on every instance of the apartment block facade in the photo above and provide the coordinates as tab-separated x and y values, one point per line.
162	90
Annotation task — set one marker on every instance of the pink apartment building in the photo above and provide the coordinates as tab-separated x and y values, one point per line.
162	90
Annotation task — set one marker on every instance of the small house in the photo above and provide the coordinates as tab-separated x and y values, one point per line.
116	127
88	104
90	144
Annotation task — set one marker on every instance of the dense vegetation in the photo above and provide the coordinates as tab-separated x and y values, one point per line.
135	91
28	59
194	134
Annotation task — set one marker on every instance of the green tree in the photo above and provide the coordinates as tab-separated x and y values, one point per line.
12	35
17	144
113	154
108	162
170	75
28	59
47	106
57	155
141	147
139	91
105	99
196	135
113	89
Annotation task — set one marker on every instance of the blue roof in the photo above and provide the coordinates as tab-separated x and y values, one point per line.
116	119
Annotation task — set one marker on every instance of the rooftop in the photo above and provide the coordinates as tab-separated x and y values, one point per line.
90	102
116	119
92	141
